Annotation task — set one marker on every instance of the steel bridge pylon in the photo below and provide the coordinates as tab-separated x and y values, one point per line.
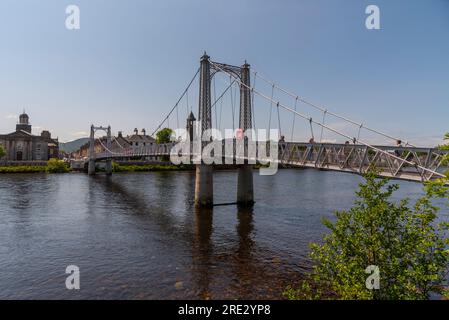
91	166
204	173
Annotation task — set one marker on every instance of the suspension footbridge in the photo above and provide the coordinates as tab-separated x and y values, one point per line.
306	135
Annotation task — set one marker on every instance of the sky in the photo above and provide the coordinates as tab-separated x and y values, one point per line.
131	59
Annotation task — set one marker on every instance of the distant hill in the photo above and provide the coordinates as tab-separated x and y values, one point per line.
72	145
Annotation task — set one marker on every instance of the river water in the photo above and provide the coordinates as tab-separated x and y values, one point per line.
138	235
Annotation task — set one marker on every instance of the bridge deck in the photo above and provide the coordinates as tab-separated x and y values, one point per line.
405	163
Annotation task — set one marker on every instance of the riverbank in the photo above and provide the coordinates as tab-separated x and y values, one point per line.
149	167
50	166
23	169
58	166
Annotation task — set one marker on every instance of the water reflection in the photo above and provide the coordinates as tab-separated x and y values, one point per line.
139	235
202	254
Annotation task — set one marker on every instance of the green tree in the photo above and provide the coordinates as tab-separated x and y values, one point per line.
57	166
2	152
405	242
440	188
164	135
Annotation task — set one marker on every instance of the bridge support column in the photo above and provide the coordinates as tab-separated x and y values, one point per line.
245	189
204	191
108	145
204	186
91	167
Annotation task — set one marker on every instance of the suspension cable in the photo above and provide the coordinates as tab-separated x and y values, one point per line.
332	129
187	104
115	139
177	102
177	117
294	117
271	107
279	120
106	148
215	99
253	114
360	129
232	104
324	118
311	128
322	109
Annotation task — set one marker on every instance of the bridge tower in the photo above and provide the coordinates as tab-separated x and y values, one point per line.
109	145
91	168
204	185
245	191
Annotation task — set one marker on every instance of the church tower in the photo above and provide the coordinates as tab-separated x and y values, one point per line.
23	123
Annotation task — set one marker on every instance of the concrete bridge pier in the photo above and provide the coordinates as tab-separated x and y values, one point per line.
245	189
204	186
91	167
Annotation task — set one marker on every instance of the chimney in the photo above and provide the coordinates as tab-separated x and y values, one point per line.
144	132
120	134
136	132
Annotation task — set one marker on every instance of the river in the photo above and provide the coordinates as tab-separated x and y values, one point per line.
138	235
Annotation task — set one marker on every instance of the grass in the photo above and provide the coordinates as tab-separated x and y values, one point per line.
23	169
148	167
53	166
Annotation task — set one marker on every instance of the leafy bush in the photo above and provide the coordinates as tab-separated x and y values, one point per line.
405	243
164	135
57	166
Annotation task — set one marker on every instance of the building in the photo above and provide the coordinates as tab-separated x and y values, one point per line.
21	145
139	141
136	142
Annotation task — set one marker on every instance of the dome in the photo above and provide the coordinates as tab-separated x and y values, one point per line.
23	118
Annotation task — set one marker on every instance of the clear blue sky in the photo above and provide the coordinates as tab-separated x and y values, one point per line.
131	59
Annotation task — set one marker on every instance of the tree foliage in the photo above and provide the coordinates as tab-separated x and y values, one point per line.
405	242
2	152
57	166
164	135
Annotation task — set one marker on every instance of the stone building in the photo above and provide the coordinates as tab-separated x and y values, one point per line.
21	145
139	141
135	142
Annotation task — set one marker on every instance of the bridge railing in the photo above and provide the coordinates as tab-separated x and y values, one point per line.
411	163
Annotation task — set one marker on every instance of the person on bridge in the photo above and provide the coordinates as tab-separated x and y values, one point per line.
399	145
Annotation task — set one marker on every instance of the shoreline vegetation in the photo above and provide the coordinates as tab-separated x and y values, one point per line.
59	166
52	166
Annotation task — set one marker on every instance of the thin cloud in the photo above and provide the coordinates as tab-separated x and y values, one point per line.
79	134
11	116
